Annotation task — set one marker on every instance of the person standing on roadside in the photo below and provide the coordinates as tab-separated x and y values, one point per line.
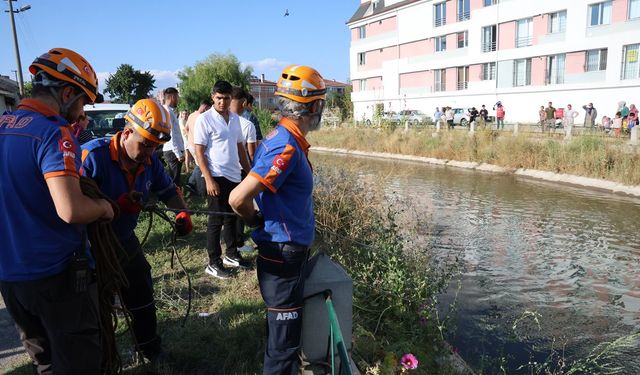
484	116
569	117
448	115
590	115
195	183
281	182
550	117
221	157
500	113
173	150
249	115
437	116
46	271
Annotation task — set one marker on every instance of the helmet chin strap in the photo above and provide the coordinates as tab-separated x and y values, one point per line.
64	107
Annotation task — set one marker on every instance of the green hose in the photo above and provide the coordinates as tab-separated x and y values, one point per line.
338	341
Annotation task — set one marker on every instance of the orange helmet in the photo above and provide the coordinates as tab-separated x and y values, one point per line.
301	84
68	66
150	120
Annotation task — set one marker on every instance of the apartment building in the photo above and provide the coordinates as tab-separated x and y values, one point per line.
423	54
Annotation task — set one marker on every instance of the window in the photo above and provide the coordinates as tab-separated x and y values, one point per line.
555	69
557	22
489	71
463	39
440	12
521	72
489	38
463	77
600	14
634	9
596	60
441	43
362	58
464	12
488	3
630	65
440	79
363	85
362	32
524	32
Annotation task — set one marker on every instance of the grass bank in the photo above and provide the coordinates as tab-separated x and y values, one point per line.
585	155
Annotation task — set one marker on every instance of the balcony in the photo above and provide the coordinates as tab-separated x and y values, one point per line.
488	46
524	41
439	22
440	86
463	16
462	85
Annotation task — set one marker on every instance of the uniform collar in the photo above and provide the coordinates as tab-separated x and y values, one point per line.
297	134
114	152
37	106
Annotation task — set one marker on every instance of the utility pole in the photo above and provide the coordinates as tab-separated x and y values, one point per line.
15	45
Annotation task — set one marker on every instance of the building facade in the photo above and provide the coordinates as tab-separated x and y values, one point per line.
423	54
9	96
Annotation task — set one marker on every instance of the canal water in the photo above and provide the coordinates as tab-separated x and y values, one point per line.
562	263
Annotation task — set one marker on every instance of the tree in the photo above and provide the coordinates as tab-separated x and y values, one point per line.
196	82
128	85
342	101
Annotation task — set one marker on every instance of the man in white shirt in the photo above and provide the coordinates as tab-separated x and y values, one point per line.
221	156
569	116
173	151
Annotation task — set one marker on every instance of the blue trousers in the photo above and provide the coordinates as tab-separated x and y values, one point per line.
280	269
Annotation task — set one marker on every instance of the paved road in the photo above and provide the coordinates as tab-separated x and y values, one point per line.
11	351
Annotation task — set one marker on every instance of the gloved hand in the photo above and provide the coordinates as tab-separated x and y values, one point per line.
130	202
184	225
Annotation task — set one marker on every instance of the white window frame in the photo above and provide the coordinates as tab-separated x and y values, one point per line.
524	40
557	22
461	13
465	39
437	22
440	80
634	6
526	79
556	66
362	32
362	58
363	84
489	71
600	57
441	43
491	45
604	10
631	61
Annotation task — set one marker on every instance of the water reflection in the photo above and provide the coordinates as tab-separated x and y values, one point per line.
570	254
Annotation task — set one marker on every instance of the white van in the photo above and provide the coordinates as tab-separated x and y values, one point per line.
102	116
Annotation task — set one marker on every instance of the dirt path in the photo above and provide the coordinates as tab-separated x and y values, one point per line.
11	351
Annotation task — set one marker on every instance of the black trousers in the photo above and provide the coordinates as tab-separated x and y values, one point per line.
174	166
281	278
215	223
138	299
58	327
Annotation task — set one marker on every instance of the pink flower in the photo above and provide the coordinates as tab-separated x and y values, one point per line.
409	361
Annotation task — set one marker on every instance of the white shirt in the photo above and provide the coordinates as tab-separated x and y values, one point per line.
221	143
248	131
176	143
569	116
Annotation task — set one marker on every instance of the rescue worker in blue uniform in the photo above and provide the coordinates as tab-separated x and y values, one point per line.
281	181
46	274
127	170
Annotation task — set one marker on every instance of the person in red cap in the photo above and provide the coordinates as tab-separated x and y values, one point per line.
127	170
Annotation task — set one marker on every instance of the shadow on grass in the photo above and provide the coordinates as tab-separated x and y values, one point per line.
230	341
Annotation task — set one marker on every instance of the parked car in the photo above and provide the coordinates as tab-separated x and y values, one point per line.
105	119
461	116
414	117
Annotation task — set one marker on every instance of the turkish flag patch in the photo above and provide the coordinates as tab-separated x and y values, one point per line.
280	164
67	145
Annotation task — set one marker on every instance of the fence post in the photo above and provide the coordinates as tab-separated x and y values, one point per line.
472	127
406	126
568	132
634	135
515	128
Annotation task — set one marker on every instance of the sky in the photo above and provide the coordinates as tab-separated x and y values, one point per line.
163	37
